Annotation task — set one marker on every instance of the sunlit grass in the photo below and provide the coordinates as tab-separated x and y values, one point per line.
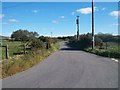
14	66
113	51
13	47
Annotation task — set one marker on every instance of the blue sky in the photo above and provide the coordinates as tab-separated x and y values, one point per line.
59	0
58	18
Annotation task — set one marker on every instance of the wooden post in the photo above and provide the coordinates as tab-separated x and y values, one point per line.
47	45
6	51
106	45
24	49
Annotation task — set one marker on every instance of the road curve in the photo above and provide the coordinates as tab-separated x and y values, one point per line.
67	68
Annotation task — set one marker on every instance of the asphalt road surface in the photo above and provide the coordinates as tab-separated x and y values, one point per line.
68	68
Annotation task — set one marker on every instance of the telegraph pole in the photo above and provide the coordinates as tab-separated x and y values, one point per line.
77	22
51	34
93	42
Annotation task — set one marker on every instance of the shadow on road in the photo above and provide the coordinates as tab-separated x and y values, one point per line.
68	46
69	49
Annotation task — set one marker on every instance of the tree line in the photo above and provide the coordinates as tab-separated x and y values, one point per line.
32	39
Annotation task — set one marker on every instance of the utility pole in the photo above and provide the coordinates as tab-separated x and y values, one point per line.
51	34
77	22
93	42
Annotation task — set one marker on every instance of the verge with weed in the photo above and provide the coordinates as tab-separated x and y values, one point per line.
13	66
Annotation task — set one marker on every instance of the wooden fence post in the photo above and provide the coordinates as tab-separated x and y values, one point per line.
106	45
6	51
24	49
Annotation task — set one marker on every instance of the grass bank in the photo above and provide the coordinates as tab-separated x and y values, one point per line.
13	66
113	50
111	53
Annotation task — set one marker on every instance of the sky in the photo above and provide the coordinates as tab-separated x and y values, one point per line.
58	17
59	0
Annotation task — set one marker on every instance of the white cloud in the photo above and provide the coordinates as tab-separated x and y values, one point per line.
115	13
3	23
62	17
103	9
73	13
55	22
35	11
116	24
87	10
1	16
13	20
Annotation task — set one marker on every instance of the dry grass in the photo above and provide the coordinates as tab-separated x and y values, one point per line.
25	62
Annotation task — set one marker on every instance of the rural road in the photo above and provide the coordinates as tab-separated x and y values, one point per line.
68	68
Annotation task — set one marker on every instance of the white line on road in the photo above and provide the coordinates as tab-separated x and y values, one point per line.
114	59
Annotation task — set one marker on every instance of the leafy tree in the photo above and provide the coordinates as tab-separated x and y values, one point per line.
44	39
23	35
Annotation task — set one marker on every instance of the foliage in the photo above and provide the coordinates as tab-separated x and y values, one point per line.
85	41
23	35
67	38
36	43
43	39
108	37
112	52
102	46
98	41
14	66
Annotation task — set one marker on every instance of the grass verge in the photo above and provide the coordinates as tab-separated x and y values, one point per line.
13	66
111	52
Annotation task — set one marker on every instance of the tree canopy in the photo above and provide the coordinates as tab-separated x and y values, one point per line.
23	35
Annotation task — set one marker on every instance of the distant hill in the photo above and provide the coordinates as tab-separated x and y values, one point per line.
4	37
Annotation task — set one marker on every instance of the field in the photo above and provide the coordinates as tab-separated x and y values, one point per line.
14	47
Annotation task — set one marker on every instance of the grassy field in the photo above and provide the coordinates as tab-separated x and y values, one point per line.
13	48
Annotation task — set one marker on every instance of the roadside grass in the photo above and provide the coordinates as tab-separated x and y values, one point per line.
13	66
113	51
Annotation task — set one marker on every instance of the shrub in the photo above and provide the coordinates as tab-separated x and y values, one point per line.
36	43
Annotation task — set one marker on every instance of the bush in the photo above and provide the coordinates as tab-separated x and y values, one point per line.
36	43
98	41
85	41
26	61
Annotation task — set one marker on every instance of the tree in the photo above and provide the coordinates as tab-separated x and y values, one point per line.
23	35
